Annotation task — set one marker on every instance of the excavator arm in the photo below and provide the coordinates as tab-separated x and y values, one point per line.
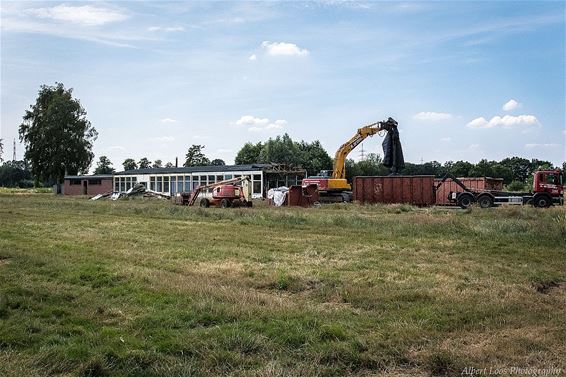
339	171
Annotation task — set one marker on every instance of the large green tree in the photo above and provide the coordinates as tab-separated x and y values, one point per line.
104	166
217	162
521	168
459	168
157	164
57	135
314	157
129	164
195	156
249	154
15	174
144	163
282	149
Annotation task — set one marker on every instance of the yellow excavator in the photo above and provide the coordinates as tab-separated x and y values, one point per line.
333	186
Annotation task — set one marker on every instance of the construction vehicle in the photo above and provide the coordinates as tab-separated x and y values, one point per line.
547	190
235	192
333	186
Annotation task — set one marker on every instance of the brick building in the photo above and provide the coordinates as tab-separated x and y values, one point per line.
87	184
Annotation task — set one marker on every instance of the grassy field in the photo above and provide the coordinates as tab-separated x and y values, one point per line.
144	288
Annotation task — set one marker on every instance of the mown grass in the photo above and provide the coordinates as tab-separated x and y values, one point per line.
144	288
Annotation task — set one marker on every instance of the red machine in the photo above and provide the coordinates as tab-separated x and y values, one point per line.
548	189
224	194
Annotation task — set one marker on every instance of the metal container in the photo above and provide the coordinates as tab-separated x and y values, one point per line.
474	183
412	189
302	196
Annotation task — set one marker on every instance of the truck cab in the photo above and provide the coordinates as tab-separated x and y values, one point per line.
548	188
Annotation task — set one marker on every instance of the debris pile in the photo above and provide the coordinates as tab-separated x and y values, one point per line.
278	196
137	190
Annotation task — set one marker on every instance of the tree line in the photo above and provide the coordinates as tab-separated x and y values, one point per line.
59	138
194	157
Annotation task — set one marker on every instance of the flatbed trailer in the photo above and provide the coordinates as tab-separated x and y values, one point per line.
548	190
488	198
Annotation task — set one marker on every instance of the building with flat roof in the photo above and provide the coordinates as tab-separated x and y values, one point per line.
186	179
87	184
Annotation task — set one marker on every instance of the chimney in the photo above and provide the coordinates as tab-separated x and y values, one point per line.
176	162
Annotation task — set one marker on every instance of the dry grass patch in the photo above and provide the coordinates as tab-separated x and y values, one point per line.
146	288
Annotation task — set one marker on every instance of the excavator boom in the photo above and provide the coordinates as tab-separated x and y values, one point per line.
339	171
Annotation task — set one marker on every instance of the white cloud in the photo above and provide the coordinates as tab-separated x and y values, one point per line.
171	28
168	120
480	122
474	147
85	14
277	125
507	121
250	120
162	139
224	150
550	145
283	49
446	139
510	105
256	124
253	57
431	115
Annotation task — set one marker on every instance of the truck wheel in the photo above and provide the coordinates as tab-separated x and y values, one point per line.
224	203
485	201
542	201
346	197
204	203
465	200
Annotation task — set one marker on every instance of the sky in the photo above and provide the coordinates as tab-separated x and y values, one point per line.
465	80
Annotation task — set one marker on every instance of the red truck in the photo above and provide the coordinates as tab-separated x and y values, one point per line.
548	189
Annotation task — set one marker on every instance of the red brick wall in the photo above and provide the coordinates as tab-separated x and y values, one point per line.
92	190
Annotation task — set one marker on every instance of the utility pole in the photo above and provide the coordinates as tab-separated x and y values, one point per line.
14	153
362	154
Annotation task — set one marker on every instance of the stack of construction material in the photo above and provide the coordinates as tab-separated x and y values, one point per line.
137	190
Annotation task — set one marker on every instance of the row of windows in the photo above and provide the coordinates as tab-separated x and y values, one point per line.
124	183
78	182
180	183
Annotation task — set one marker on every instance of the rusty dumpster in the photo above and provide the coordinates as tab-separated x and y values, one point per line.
411	189
302	196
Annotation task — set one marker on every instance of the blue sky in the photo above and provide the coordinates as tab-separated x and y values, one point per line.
465	80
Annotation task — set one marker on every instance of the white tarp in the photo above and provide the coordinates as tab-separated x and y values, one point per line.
278	195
